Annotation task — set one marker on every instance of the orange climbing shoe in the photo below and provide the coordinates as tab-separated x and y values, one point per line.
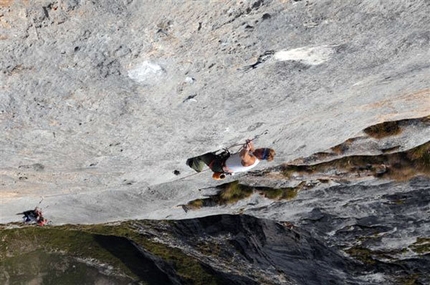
218	175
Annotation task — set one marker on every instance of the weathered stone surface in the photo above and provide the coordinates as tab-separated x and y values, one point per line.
246	250
102	102
100	94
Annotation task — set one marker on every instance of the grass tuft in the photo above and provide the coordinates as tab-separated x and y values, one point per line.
421	246
233	192
409	280
383	130
343	147
289	170
195	204
399	166
290	193
362	254
273	194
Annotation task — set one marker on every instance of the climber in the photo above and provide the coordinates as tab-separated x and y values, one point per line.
228	164
34	216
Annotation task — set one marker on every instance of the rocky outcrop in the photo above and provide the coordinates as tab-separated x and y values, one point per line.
262	251
102	102
241	249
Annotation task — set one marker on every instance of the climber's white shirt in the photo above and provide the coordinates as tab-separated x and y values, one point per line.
234	163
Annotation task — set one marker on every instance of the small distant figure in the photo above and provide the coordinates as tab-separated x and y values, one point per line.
34	217
224	163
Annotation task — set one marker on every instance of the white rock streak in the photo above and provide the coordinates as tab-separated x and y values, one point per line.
306	55
145	72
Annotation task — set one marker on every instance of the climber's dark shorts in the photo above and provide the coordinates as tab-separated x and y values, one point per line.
214	161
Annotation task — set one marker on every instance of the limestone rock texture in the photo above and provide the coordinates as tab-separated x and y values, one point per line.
102	102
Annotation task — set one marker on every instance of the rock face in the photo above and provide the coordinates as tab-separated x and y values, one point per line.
102	102
246	250
112	94
268	252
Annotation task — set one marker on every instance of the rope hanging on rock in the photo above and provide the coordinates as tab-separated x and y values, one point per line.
250	140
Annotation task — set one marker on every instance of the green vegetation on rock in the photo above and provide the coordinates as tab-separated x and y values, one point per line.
382	130
116	245
233	192
421	246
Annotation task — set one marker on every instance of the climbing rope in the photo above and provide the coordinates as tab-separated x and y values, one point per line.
247	141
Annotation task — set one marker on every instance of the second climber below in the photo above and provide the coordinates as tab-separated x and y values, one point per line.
225	163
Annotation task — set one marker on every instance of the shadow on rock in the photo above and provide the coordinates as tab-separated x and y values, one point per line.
143	266
255	247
